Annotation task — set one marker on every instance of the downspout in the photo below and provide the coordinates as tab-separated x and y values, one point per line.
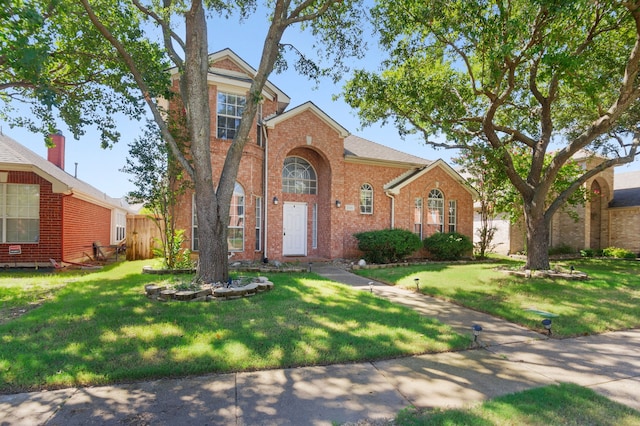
263	129
393	208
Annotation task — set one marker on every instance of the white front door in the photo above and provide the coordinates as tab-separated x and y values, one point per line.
294	229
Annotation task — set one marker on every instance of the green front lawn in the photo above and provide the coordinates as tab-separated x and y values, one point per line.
564	404
98	328
608	300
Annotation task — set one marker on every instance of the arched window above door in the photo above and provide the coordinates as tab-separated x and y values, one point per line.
298	176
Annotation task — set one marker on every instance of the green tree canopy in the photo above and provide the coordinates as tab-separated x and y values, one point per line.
53	59
544	77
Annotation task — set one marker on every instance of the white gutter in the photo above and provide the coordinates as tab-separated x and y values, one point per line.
393	208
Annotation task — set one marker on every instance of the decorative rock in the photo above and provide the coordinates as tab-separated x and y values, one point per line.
250	289
203	292
362	262
264	286
185	295
168	294
215	292
154	289
222	292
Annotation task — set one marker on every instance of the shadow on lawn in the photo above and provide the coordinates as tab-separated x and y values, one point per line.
100	330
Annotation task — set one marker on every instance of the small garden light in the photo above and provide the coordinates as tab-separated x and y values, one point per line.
371	286
547	325
572	268
417	281
476	332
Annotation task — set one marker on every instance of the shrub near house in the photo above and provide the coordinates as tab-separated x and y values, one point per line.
387	245
449	246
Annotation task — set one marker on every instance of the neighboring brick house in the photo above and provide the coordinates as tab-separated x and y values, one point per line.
305	186
609	218
45	213
624	212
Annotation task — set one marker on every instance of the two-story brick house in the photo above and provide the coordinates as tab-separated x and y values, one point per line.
305	185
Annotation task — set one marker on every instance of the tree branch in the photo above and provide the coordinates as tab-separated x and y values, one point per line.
167	33
562	198
144	88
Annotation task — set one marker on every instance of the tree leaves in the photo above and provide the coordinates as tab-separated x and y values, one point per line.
52	58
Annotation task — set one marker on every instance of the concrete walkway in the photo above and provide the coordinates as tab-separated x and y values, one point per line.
325	395
495	331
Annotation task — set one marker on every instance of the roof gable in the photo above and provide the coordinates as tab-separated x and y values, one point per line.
307	106
393	187
245	75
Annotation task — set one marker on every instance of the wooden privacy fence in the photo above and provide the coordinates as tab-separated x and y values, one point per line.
142	233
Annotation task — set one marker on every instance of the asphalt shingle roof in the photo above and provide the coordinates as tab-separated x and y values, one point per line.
356	146
13	153
626	190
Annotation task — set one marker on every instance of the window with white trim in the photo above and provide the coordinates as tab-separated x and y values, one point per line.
366	199
417	217
121	226
298	177
435	211
230	109
314	227
258	246
235	236
19	213
453	215
235	231
195	242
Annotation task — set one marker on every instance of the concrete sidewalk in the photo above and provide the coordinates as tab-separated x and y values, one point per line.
325	395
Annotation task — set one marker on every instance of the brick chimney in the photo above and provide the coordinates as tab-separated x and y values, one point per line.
56	153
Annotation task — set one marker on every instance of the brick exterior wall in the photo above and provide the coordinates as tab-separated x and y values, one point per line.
83	223
626	233
50	240
68	227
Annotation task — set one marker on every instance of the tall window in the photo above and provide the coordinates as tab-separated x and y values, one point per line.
121	226
195	242
258	223
314	227
452	215
435	211
19	213
366	199
298	177
235	239
230	109
417	217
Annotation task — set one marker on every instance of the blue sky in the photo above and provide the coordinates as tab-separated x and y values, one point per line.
100	168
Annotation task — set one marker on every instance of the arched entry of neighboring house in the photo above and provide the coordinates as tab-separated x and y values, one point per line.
596	216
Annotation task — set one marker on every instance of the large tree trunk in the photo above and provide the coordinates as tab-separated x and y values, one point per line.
212	229
537	238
